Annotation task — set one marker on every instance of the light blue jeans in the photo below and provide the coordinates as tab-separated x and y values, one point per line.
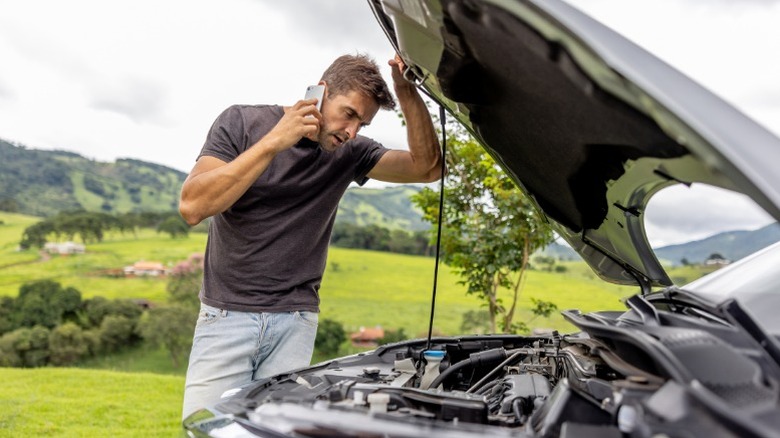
231	349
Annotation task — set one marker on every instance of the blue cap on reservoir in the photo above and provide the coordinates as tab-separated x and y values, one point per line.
433	354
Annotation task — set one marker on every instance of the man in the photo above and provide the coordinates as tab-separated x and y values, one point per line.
272	178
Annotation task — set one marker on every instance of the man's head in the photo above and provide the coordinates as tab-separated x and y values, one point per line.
355	92
358	73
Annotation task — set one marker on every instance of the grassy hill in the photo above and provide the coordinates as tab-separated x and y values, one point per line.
42	183
389	208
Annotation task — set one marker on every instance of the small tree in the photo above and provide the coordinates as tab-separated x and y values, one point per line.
25	347
475	321
116	332
490	227
67	344
171	327
183	287
6	314
330	336
175	226
393	336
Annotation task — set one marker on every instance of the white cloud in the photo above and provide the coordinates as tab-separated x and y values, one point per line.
141	100
145	79
681	214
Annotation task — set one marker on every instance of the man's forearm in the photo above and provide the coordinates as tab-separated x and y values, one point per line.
214	186
421	136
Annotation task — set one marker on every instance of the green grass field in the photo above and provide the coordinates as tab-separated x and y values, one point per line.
138	392
360	288
68	402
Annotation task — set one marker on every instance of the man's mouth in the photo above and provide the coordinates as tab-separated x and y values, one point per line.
339	139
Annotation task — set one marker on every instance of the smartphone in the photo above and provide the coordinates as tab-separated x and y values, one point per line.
317	91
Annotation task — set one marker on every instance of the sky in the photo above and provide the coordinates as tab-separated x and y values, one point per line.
145	79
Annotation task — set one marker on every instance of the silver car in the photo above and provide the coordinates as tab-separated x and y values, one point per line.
590	126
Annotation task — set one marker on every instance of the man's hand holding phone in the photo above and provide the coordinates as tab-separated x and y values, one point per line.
314	92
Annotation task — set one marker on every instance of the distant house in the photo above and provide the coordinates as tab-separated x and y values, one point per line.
64	248
143	268
716	260
367	337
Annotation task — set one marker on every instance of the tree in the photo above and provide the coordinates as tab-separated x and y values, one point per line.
6	314
183	287
475	321
169	326
490	227
96	309
545	263
67	344
116	332
25	347
330	336
175	226
35	235
45	303
392	336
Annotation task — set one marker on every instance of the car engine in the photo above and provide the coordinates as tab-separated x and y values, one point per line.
620	376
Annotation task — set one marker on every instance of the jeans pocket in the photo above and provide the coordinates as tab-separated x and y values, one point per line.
309	318
207	315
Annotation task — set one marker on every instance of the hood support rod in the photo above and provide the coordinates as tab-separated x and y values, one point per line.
443	120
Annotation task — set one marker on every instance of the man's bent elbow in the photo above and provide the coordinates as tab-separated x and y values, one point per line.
433	174
189	214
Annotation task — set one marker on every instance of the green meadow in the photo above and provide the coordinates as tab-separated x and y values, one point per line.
68	402
138	392
360	288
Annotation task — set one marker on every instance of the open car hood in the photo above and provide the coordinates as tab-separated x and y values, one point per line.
588	124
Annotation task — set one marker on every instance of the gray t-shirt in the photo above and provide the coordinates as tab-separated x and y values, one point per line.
267	252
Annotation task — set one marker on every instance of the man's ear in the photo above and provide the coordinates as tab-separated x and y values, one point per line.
326	87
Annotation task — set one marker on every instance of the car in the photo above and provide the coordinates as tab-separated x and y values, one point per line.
591	127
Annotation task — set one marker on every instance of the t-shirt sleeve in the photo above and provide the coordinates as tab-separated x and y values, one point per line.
368	156
226	138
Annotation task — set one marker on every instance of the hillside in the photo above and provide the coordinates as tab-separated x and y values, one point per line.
389	208
42	183
733	245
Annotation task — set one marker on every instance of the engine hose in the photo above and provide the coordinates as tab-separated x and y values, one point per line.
446	373
495	370
479	359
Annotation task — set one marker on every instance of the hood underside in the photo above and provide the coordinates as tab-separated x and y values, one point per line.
587	123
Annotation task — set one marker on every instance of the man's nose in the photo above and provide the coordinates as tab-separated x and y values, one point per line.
352	130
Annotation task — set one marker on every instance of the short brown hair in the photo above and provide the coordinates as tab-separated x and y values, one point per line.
358	73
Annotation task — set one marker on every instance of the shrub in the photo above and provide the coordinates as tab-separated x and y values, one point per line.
393	336
171	327
116	331
330	336
25	347
67	344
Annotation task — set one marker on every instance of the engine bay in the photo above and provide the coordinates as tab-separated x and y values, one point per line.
620	376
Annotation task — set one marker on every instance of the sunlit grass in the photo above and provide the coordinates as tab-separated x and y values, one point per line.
138	392
89	403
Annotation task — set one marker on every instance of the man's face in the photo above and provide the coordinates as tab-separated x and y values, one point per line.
342	117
